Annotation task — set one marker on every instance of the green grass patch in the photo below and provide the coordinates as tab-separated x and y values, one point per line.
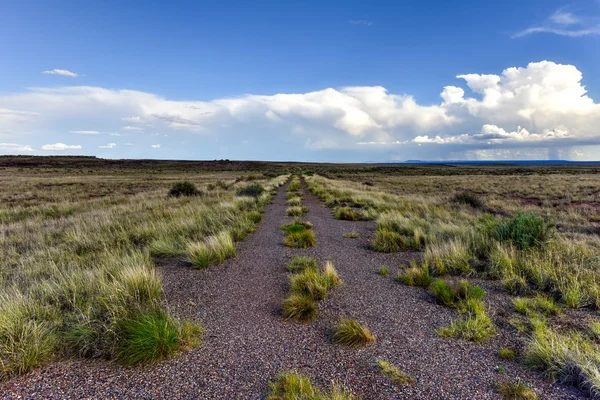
301	240
214	249
293	386
302	263
393	373
351	333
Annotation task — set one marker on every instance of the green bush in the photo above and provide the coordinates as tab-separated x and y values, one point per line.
524	231
184	188
352	333
251	190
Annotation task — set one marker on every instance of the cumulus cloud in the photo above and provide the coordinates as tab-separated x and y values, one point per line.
62	72
155	146
86	132
60	147
108	146
541	104
117	134
14	148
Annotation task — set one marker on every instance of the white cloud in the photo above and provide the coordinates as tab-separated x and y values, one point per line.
543	103
128	144
62	72
155	146
564	18
132	128
14	147
132	119
86	132
564	23
60	147
116	134
360	22
108	146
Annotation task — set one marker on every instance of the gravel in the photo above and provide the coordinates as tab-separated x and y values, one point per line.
247	343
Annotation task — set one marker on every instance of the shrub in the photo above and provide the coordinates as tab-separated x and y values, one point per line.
184	188
389	242
301	263
525	231
255	216
507	354
293	386
416	276
468	198
392	372
346	214
300	240
146	337
299	306
352	333
516	391
251	190
215	249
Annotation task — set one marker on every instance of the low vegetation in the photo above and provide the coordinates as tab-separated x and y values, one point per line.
293	386
393	373
308	284
416	276
351	235
77	275
507	354
184	188
351	333
515	390
213	249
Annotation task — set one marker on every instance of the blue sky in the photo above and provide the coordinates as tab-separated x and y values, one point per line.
340	81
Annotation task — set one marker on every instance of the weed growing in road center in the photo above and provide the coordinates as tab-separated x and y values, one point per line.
293	386
352	333
393	373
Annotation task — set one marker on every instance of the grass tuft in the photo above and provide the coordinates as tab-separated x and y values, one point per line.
300	240
507	354
394	374
147	337
214	249
293	386
515	391
389	242
301	263
416	276
299	306
352	333
351	235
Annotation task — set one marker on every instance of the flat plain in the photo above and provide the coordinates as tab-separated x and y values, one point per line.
226	279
